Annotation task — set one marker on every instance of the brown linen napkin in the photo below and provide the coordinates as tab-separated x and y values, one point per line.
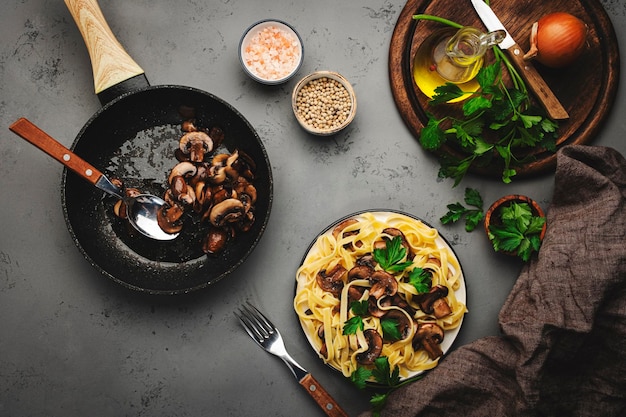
563	346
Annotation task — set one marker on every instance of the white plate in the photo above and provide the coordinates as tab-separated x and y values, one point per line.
382	215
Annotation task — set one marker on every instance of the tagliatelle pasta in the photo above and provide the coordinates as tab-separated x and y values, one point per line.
323	313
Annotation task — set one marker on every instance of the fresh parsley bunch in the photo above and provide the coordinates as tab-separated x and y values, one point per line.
497	121
504	111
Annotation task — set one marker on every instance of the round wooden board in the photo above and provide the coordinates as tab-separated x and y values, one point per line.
586	89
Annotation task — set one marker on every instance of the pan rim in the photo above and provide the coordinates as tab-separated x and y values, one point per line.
178	290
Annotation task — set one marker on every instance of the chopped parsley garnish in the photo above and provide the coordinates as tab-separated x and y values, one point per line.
354	324
391	256
421	279
473	216
390	329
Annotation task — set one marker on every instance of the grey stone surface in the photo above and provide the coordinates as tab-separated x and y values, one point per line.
73	343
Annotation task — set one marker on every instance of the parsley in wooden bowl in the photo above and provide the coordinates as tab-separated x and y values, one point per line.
515	225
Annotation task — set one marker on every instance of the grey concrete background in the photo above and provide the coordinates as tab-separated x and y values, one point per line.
73	343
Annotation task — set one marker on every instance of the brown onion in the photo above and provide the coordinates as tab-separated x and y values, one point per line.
557	40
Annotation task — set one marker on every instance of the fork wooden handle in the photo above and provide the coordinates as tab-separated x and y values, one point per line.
321	397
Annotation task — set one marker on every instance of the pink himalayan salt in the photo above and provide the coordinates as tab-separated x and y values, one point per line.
272	53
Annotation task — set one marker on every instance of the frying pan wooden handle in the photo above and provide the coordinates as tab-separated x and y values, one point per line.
110	62
27	130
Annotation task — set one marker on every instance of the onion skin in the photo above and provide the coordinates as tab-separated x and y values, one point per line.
558	39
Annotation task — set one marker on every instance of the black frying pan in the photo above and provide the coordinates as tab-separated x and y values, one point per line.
133	138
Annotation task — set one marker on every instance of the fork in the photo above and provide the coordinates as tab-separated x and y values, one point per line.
267	336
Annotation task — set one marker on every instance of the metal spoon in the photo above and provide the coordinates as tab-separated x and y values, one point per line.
142	210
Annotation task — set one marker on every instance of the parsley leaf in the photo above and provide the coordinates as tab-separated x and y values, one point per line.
421	279
390	329
352	325
359	308
431	136
355	323
378	402
383	373
360	376
457	211
389	258
447	92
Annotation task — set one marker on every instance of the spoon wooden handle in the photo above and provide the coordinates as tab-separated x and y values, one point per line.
28	131
110	62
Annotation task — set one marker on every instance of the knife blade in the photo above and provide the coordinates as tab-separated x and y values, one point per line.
535	82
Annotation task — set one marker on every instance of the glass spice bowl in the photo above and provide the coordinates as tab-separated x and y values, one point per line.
324	103
271	51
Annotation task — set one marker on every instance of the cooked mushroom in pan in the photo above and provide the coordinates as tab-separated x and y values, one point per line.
212	184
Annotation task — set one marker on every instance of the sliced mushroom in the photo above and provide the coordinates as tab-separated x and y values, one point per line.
243	186
219	160
247	166
342	225
373	310
404	323
367	260
221	193
434	302
119	208
231	166
196	144
216	174
215	241
374	347
169	218
355	293
429	337
181	191
360	272
383	283
398	301
338	232
189	125
393	232
184	169
201	174
331	280
227	211
323	349
203	197
247	220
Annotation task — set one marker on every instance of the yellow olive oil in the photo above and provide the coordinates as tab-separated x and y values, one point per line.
431	64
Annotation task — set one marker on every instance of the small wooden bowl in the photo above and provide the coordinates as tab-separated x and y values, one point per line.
505	201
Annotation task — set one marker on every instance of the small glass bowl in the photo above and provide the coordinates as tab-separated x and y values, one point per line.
292	54
305	123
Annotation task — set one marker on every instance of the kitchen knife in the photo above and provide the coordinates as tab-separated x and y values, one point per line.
536	84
